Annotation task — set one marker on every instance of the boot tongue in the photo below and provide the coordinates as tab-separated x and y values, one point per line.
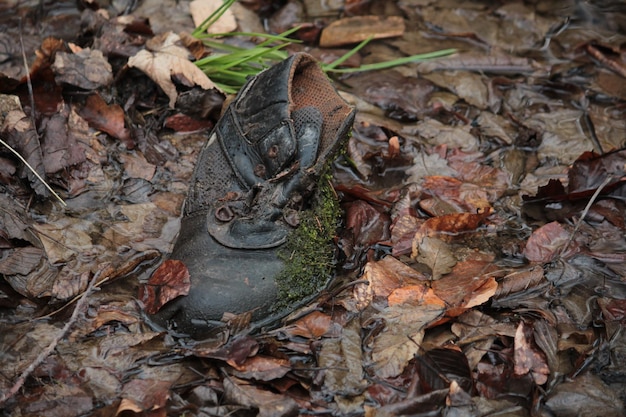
265	100
265	227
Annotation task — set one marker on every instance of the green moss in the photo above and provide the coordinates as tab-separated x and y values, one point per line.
309	253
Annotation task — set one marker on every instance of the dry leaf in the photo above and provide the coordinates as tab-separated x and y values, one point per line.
356	29
201	9
169	60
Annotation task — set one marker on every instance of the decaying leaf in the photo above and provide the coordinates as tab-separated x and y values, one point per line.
470	283
18	131
87	69
141	395
436	254
528	359
383	277
400	340
312	326
262	368
169	281
108	118
546	242
268	404
342	361
166	60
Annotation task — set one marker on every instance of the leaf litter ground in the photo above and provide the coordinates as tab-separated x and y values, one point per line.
482	268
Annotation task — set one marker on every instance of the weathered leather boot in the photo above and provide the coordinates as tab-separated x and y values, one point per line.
253	178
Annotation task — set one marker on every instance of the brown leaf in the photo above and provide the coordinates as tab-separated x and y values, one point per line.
403	231
383	277
311	326
261	368
169	60
201	9
435	254
236	352
528	359
342	359
86	69
61	148
419	294
546	242
469	284
109	119
451	224
140	395
240	392
356	29
587	395
400	340
18	131
170	280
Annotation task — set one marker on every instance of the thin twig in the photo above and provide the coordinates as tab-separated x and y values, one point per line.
48	350
33	171
585	212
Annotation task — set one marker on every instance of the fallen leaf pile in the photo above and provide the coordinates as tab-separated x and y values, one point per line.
482	266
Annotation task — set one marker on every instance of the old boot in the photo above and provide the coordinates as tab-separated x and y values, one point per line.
254	178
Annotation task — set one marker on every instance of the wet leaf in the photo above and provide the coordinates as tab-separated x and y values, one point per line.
268	404
73	233
19	132
58	400
438	368
400	340
170	280
546	243
235	352
141	395
21	261
261	368
383	277
403	231
528	359
434	253
342	361
108	118
451	224
584	396
86	69
311	326
468	285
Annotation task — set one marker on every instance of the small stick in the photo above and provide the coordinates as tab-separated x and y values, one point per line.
48	350
585	212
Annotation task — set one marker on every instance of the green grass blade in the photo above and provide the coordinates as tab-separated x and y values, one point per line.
394	62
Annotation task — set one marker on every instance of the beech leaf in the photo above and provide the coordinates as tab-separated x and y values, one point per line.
170	60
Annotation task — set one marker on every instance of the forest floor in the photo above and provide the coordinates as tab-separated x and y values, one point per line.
482	267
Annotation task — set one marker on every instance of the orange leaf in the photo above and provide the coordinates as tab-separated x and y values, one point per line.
312	326
452	223
414	294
